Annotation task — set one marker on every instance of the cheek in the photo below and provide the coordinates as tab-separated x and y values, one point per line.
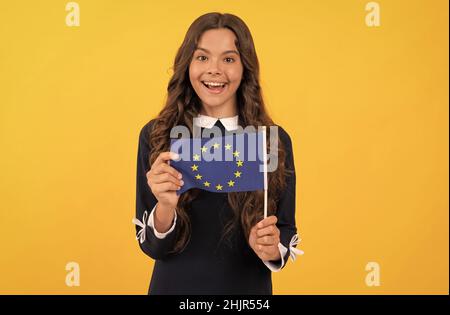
235	72
194	73
235	77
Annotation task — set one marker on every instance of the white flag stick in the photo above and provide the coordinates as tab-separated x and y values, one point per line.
265	170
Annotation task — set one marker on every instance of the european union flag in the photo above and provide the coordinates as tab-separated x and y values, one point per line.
229	163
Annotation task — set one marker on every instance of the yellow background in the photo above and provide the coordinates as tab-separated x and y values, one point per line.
367	109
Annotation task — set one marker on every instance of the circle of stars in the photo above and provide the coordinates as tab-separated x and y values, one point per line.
218	187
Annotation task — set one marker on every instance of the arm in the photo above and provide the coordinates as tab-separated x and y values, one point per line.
153	242
286	211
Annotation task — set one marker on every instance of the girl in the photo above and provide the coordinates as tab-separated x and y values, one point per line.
205	242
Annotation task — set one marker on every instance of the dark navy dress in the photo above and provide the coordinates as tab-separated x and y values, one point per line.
208	266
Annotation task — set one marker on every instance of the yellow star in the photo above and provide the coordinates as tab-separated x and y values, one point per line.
216	145
227	146
204	149
194	167
230	183
196	157
198	176
206	184
237	174
219	187
239	163
236	153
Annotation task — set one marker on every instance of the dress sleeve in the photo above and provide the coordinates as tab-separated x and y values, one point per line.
152	245
286	211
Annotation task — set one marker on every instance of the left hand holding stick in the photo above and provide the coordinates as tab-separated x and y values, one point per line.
264	238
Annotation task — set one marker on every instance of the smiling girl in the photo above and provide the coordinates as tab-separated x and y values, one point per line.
206	242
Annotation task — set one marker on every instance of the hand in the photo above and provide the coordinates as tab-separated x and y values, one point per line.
264	238
164	181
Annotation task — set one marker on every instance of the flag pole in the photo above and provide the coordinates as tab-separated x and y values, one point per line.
265	170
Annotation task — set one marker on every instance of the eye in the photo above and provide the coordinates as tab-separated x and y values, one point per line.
201	58
229	60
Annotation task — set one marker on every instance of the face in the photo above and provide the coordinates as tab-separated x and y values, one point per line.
216	70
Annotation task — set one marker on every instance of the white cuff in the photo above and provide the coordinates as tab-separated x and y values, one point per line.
275	267
293	252
151	224
141	233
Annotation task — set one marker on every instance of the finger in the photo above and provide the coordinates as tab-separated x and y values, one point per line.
167	177
267	221
252	234
165	187
268	230
267	240
165	156
165	168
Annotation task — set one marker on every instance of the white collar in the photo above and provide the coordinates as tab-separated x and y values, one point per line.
230	123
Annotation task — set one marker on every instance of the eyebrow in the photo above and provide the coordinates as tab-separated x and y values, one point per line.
224	53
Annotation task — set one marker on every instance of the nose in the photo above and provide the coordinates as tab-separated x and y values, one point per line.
214	68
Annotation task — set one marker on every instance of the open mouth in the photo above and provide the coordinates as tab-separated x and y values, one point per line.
214	87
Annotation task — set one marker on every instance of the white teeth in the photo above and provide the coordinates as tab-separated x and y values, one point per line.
214	83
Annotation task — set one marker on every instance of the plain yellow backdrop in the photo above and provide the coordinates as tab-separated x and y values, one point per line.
366	108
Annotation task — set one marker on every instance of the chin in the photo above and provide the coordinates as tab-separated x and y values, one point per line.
212	103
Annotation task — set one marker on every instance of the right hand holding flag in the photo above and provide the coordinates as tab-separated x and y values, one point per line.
164	180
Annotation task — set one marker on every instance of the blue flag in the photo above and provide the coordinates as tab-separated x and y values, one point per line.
229	163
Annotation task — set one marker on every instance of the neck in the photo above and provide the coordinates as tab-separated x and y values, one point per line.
219	111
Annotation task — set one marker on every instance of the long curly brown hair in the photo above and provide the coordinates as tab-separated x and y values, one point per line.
183	104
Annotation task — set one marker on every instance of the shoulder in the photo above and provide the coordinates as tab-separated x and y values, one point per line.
284	136
287	146
144	134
